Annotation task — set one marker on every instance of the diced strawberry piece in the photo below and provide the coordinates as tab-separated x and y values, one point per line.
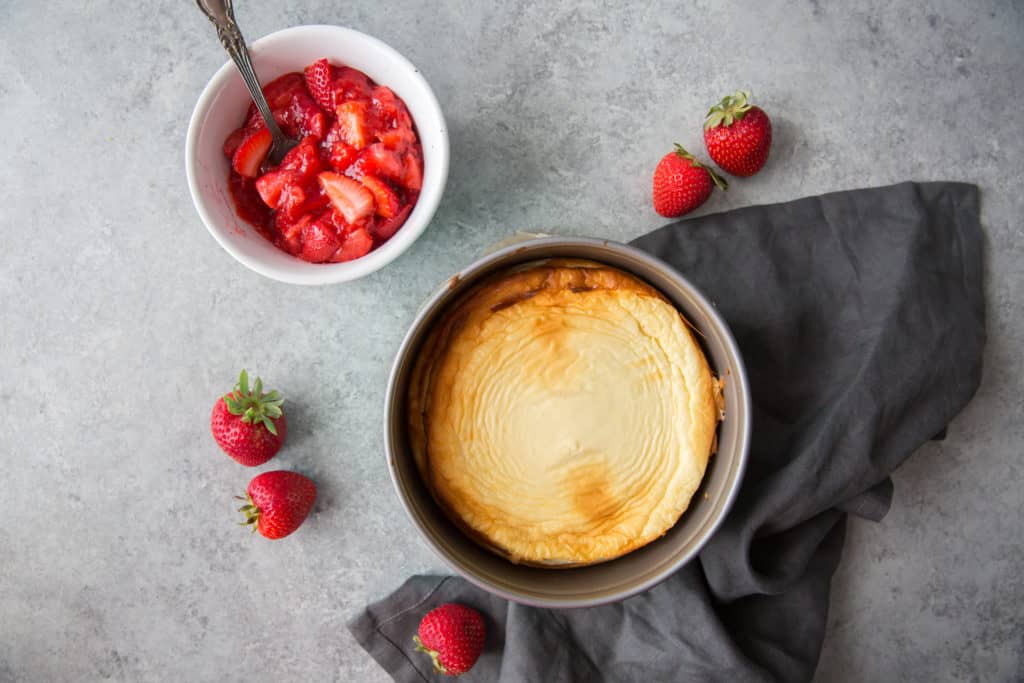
412	176
341	156
251	153
318	76
380	161
356	243
302	198
307	117
293	197
349	197
301	118
352	123
389	108
312	201
397	138
319	241
316	125
234	140
385	198
383	230
303	158
349	84
334	134
279	92
270	185
290	232
255	119
343	226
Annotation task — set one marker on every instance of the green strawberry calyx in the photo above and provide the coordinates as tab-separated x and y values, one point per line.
251	512
732	108
718	180
254	406
433	654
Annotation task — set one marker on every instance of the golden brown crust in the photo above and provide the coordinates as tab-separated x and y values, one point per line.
562	413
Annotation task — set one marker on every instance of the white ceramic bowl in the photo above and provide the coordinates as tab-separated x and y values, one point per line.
221	109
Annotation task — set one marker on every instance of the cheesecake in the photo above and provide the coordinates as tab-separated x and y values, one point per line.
562	413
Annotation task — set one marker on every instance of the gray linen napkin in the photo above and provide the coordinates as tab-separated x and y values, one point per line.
861	319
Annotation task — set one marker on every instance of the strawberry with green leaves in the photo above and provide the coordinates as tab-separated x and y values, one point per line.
277	503
452	635
738	135
248	424
681	183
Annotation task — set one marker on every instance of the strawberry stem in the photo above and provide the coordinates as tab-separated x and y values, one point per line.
434	654
730	109
718	180
254	406
251	512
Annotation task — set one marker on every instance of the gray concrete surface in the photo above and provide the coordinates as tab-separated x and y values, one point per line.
121	319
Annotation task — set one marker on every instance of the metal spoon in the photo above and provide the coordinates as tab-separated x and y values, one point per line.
222	15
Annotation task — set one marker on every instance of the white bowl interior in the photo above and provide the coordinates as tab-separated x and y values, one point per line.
222	108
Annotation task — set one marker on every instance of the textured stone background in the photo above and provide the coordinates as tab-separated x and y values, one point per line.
121	319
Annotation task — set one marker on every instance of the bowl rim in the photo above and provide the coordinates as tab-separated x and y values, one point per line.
330	273
739	375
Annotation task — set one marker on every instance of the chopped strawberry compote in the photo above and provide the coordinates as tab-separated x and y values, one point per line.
350	183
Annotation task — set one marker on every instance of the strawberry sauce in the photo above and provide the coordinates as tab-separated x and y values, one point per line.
350	183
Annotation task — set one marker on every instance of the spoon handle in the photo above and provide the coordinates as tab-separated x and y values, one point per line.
222	15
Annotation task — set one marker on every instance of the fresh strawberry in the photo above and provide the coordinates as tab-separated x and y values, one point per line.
348	196
251	153
453	635
738	135
412	172
249	425
357	242
352	122
383	230
319	241
385	198
681	183
278	502
318	76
